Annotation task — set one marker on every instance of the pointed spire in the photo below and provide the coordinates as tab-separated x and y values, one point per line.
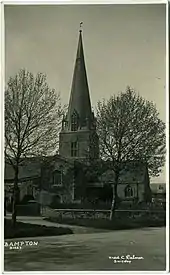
81	23
80	98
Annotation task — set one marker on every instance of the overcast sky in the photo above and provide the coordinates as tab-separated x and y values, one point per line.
123	45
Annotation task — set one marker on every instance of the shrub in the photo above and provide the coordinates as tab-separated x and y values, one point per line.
26	198
31	209
87	205
117	224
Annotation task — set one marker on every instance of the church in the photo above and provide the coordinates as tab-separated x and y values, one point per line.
62	178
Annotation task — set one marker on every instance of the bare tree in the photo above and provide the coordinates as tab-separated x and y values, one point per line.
130	130
33	114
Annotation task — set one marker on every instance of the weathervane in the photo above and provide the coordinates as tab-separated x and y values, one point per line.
81	23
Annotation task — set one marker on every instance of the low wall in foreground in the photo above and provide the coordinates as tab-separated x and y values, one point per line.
99	214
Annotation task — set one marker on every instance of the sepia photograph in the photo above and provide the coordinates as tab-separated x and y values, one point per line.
85	137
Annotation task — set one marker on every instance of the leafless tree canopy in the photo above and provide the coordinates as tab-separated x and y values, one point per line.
33	116
129	128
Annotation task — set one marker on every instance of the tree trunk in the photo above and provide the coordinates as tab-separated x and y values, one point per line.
15	197
115	197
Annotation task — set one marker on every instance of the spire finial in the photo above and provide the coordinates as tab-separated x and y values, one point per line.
81	23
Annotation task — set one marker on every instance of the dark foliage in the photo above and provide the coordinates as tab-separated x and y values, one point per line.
26	198
118	223
87	205
32	230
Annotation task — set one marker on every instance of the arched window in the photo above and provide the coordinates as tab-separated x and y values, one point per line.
74	121
128	191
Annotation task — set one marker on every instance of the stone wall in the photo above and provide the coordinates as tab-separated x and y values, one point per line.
98	214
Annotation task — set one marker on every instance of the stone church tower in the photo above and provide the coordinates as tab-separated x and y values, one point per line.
78	138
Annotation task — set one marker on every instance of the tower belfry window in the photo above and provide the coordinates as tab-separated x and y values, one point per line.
74	121
74	149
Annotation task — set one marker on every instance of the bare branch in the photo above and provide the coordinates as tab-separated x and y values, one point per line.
33	115
129	128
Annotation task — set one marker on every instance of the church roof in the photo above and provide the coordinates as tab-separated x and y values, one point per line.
130	175
31	167
80	98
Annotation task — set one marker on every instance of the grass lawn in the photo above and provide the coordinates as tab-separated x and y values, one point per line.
32	230
116	224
